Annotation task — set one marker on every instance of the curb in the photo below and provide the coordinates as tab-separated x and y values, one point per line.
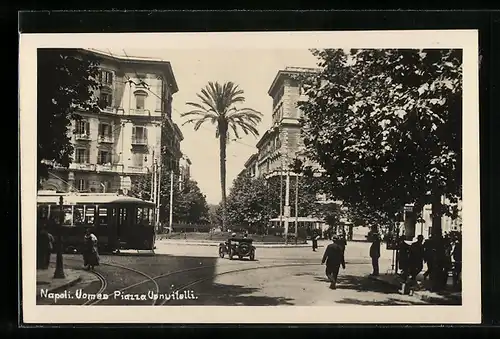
67	284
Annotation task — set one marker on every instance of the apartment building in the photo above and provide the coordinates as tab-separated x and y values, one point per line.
282	142
121	142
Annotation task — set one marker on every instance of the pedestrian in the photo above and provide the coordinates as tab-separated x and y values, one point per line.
333	257
429	253
375	254
457	257
416	258
403	253
45	245
90	252
315	238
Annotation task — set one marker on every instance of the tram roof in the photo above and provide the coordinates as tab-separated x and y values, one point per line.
89	199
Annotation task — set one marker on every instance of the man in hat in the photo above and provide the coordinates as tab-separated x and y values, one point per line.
333	257
375	254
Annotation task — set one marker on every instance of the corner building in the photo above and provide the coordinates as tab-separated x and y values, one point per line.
122	142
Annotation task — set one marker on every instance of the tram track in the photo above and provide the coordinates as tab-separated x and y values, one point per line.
213	276
156	280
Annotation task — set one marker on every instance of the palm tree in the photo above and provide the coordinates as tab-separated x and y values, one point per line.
218	107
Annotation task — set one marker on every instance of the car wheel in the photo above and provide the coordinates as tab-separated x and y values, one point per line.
221	252
240	257
252	256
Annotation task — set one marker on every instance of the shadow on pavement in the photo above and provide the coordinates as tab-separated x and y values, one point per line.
360	284
213	294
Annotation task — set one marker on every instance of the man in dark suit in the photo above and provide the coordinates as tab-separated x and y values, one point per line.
375	254
333	257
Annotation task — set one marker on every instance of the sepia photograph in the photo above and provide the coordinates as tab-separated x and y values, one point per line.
322	176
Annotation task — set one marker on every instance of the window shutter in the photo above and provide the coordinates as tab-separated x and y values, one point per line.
110	77
133	133
145	134
87	127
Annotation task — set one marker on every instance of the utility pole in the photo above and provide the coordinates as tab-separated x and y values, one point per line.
296	207
287	205
170	212
158	204
59	272
152	178
155	187
281	195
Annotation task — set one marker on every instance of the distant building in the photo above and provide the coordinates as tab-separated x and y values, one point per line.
184	170
115	146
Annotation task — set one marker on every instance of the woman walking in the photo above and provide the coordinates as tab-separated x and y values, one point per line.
90	253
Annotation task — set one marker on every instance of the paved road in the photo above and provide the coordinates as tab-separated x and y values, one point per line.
190	275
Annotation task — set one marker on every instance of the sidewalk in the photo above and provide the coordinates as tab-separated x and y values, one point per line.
45	279
216	243
448	296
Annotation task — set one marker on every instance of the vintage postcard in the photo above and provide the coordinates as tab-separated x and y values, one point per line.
258	177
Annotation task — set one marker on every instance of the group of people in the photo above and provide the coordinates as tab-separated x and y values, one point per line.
46	244
441	255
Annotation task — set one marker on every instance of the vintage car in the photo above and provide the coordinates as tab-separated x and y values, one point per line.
241	247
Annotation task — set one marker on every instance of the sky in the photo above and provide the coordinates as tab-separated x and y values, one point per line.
253	70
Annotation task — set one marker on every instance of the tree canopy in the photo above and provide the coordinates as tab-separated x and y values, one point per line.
67	79
386	126
190	205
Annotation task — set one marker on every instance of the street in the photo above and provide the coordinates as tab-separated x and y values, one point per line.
180	274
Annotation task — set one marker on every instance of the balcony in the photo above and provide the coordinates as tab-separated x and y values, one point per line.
136	170
106	139
82	136
139	112
139	141
82	166
108	168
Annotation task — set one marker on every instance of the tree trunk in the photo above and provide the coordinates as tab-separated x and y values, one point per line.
436	275
222	156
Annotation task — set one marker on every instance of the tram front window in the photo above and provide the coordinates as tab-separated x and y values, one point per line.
67	215
144	216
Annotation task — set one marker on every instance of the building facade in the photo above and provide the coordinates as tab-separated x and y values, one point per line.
123	141
184	170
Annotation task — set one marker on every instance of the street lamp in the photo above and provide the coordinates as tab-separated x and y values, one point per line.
59	272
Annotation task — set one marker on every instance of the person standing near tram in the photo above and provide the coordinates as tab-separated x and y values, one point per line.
90	251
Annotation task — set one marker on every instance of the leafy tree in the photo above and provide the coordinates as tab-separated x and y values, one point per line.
249	202
190	206
67	79
219	107
386	126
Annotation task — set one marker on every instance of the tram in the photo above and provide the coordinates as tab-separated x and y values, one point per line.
118	221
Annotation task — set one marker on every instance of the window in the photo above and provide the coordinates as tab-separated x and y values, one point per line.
82	156
82	185
138	159
106	77
104	157
140	100
105	130
82	127
103	216
43	212
79	215
139	135
143	216
89	215
105	100
105	186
